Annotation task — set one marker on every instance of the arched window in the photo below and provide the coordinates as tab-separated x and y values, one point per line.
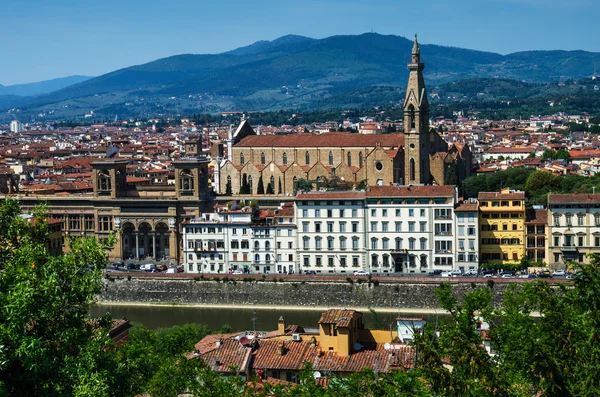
294	184
267	258
307	158
330	158
262	158
349	159
250	187
267	245
273	182
412	169
256	245
360	160
284	158
257	258
411	110
242	160
186	180
104	181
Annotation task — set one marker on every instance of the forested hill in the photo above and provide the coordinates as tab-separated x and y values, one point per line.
293	72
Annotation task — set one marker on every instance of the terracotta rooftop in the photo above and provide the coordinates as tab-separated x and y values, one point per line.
536	216
331	196
573	198
339	317
501	196
330	139
410	191
467	207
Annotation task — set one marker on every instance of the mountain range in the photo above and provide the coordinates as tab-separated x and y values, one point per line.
41	87
292	72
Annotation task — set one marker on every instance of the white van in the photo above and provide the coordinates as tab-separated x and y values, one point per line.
148	267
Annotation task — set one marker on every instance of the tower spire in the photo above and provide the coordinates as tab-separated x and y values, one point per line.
416	51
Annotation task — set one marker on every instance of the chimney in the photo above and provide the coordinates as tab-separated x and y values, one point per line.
281	326
219	342
281	348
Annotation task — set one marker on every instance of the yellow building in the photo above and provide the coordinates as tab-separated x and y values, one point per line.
502	226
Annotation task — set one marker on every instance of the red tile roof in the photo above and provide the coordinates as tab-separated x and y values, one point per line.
467	207
331	196
295	354
573	198
339	317
411	191
330	139
501	196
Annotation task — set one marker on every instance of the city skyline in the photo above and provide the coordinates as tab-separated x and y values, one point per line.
56	40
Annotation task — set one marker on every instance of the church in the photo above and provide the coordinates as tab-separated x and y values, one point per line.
273	164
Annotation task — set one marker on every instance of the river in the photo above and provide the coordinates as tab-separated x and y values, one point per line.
154	317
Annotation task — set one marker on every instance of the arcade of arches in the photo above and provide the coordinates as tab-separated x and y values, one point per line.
146	240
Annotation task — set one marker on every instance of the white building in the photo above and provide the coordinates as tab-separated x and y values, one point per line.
387	229
331	231
410	228
467	236
16	126
285	240
238	239
573	228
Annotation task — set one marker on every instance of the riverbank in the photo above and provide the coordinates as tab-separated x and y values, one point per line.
383	294
273	307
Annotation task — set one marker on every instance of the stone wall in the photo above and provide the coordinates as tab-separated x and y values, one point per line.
268	292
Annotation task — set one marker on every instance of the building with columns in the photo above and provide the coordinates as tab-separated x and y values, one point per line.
145	218
419	155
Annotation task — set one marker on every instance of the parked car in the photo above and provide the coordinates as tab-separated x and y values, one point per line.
119	264
532	276
471	272
171	270
237	272
131	266
435	273
310	272
559	273
488	275
507	275
456	273
361	273
545	274
148	267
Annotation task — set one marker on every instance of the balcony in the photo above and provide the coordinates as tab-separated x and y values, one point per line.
443	217
568	248
443	251
439	233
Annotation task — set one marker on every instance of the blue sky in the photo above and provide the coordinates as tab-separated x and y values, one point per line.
44	39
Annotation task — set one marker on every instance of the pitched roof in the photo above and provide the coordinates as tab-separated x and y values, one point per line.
269	354
411	191
536	216
331	196
554	198
467	207
501	196
330	139
339	317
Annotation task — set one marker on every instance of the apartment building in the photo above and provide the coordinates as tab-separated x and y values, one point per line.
502	226
387	229
573	228
237	238
536	222
467	235
331	231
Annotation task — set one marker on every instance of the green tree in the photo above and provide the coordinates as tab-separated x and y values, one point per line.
269	188
304	185
50	345
279	186
451	175
261	186
245	188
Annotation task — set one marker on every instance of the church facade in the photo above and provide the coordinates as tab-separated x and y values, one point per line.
272	164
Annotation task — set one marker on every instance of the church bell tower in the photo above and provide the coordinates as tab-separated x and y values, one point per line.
416	124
